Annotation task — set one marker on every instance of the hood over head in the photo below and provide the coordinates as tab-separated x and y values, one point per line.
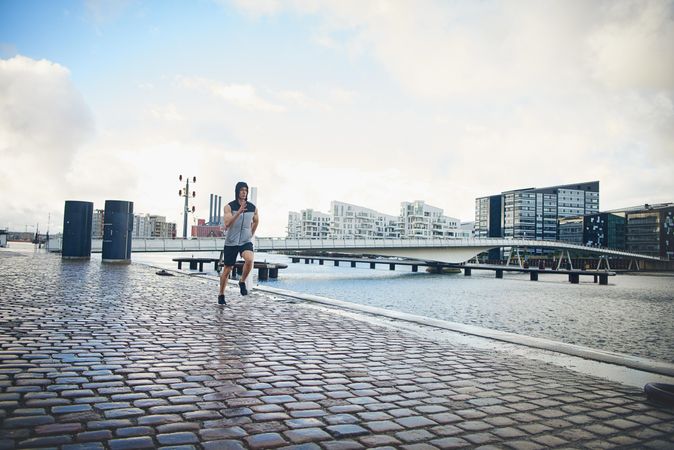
239	186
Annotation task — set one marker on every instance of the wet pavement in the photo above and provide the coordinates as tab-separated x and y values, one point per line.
103	356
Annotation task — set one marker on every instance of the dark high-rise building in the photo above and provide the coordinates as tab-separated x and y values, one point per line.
604	230
488	220
650	230
534	213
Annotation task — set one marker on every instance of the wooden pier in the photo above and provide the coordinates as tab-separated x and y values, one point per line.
265	270
600	276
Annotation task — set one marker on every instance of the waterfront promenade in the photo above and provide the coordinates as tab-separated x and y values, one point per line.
103	356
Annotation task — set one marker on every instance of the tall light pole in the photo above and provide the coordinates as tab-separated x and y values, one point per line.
186	193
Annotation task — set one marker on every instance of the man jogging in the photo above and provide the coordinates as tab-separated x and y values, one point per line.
241	221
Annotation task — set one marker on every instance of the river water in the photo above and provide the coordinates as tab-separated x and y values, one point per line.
634	314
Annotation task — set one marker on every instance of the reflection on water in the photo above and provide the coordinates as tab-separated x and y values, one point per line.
633	314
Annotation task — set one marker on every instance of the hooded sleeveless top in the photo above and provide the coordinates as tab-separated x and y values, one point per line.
241	231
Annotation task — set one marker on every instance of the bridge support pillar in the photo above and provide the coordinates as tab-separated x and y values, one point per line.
391	267
466	272
533	276
603	280
306	260
273	273
263	274
320	262
574	278
372	265
353	263
596	278
295	260
415	268
193	265
336	263
499	273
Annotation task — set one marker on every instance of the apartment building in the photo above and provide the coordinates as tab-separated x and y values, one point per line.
419	220
97	224
349	221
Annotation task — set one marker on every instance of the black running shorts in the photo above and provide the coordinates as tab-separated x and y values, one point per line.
231	252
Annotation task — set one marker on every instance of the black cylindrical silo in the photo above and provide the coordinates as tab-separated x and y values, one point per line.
117	231
77	221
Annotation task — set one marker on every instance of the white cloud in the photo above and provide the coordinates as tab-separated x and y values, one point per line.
242	95
300	100
633	48
168	113
44	122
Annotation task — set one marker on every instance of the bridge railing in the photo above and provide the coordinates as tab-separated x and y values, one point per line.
282	244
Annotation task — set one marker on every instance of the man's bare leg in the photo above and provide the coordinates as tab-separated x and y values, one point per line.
247	267
226	270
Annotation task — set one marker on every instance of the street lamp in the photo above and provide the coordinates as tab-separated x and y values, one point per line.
186	193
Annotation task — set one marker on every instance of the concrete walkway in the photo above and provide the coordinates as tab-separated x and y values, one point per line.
99	356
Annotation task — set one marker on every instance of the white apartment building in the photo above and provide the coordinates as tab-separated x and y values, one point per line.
294	230
141	226
152	226
97	224
348	221
422	221
308	224
357	222
314	224
144	226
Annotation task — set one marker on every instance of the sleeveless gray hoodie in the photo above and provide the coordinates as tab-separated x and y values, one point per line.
241	231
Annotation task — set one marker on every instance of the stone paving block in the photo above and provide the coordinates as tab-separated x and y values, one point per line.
304	423
131	443
84	446
302	435
102	424
418	435
346	430
134	431
99	435
225	444
446	430
70	409
29	411
304	413
58	428
415	422
47	441
177	438
178	426
123	413
27	421
450	442
222	433
342	445
265	440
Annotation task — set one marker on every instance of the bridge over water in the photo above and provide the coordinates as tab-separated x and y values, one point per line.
441	250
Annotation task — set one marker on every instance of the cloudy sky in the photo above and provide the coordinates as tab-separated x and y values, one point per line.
368	102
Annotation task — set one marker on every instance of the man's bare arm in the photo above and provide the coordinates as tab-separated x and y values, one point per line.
256	220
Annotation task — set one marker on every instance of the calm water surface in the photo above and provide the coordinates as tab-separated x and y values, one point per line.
633	314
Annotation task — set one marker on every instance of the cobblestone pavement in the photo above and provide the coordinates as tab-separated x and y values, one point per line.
100	356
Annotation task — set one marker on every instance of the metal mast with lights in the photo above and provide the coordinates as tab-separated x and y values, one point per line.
186	193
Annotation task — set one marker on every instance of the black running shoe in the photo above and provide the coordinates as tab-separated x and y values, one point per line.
242	288
221	299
